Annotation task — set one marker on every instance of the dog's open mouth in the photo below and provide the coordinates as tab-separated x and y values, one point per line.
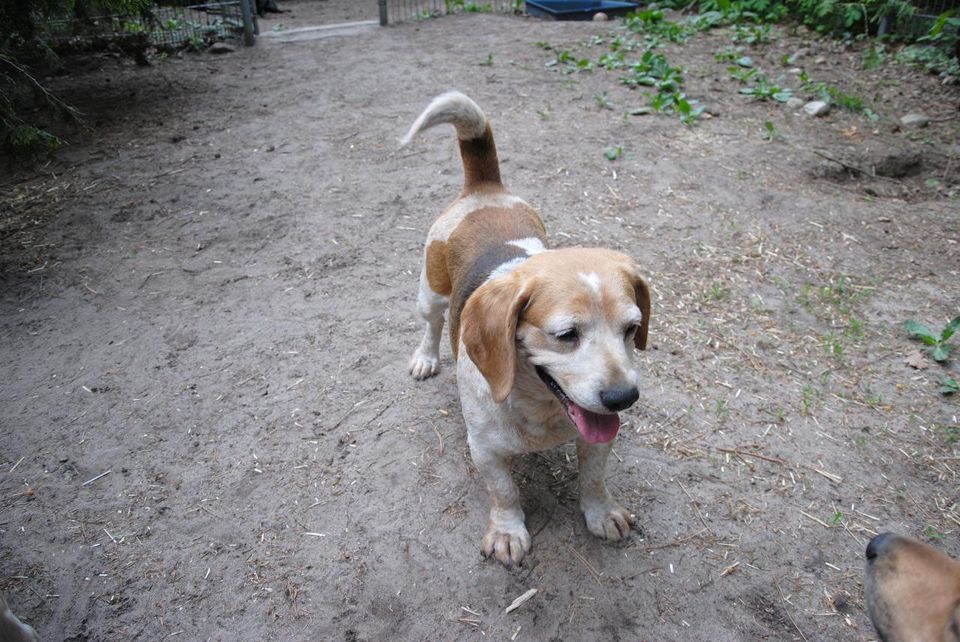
595	428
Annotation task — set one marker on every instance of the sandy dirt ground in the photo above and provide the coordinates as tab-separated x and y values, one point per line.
208	307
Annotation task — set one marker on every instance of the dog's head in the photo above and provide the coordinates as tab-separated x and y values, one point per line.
912	590
572	315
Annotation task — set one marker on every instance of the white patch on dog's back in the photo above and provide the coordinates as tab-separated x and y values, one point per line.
507	267
531	245
460	209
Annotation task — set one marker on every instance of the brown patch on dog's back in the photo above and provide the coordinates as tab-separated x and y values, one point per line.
478	246
436	268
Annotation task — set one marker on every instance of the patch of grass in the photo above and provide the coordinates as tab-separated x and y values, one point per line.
488	61
603	101
721	410
809	397
949	434
836	519
854	329
832	344
932	533
718	292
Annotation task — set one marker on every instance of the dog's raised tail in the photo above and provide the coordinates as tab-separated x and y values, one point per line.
477	149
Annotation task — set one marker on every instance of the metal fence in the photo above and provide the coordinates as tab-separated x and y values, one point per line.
392	11
166	26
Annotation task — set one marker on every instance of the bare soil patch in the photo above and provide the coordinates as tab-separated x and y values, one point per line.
208	307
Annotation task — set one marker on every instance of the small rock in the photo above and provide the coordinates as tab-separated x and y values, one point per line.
797	55
220	48
600	17
795	71
816	108
915	120
795	102
820	60
950	80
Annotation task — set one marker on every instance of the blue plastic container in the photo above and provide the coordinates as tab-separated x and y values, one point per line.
577	9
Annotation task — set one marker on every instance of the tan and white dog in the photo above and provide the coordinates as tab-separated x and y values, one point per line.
912	590
12	629
548	335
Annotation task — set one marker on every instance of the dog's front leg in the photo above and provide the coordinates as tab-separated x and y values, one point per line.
506	537
605	517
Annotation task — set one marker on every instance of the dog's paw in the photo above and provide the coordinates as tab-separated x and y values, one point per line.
423	365
508	545
608	520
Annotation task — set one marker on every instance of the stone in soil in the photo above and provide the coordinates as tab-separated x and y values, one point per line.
816	108
915	120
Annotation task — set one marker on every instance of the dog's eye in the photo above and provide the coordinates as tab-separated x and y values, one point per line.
567	336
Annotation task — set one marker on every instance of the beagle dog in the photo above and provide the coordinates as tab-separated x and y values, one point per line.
545	338
912	590
12	629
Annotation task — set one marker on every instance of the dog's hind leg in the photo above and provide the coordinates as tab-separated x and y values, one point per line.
432	306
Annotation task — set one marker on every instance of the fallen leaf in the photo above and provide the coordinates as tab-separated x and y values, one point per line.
916	360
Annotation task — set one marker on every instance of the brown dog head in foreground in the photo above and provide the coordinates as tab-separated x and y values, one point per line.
912	590
12	629
545	338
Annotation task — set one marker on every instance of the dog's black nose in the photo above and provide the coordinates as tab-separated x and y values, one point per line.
617	399
878	545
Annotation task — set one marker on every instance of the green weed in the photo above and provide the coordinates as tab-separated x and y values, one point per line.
765	90
770	132
603	101
949	386
936	343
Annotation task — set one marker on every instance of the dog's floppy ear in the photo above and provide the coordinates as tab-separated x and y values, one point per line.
642	294
489	331
953	627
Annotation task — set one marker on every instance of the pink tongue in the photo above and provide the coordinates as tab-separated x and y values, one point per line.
595	428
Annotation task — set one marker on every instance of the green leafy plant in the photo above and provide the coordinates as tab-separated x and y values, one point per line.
765	90
770	132
488	61
603	101
743	76
949	386
752	35
936	343
613	153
